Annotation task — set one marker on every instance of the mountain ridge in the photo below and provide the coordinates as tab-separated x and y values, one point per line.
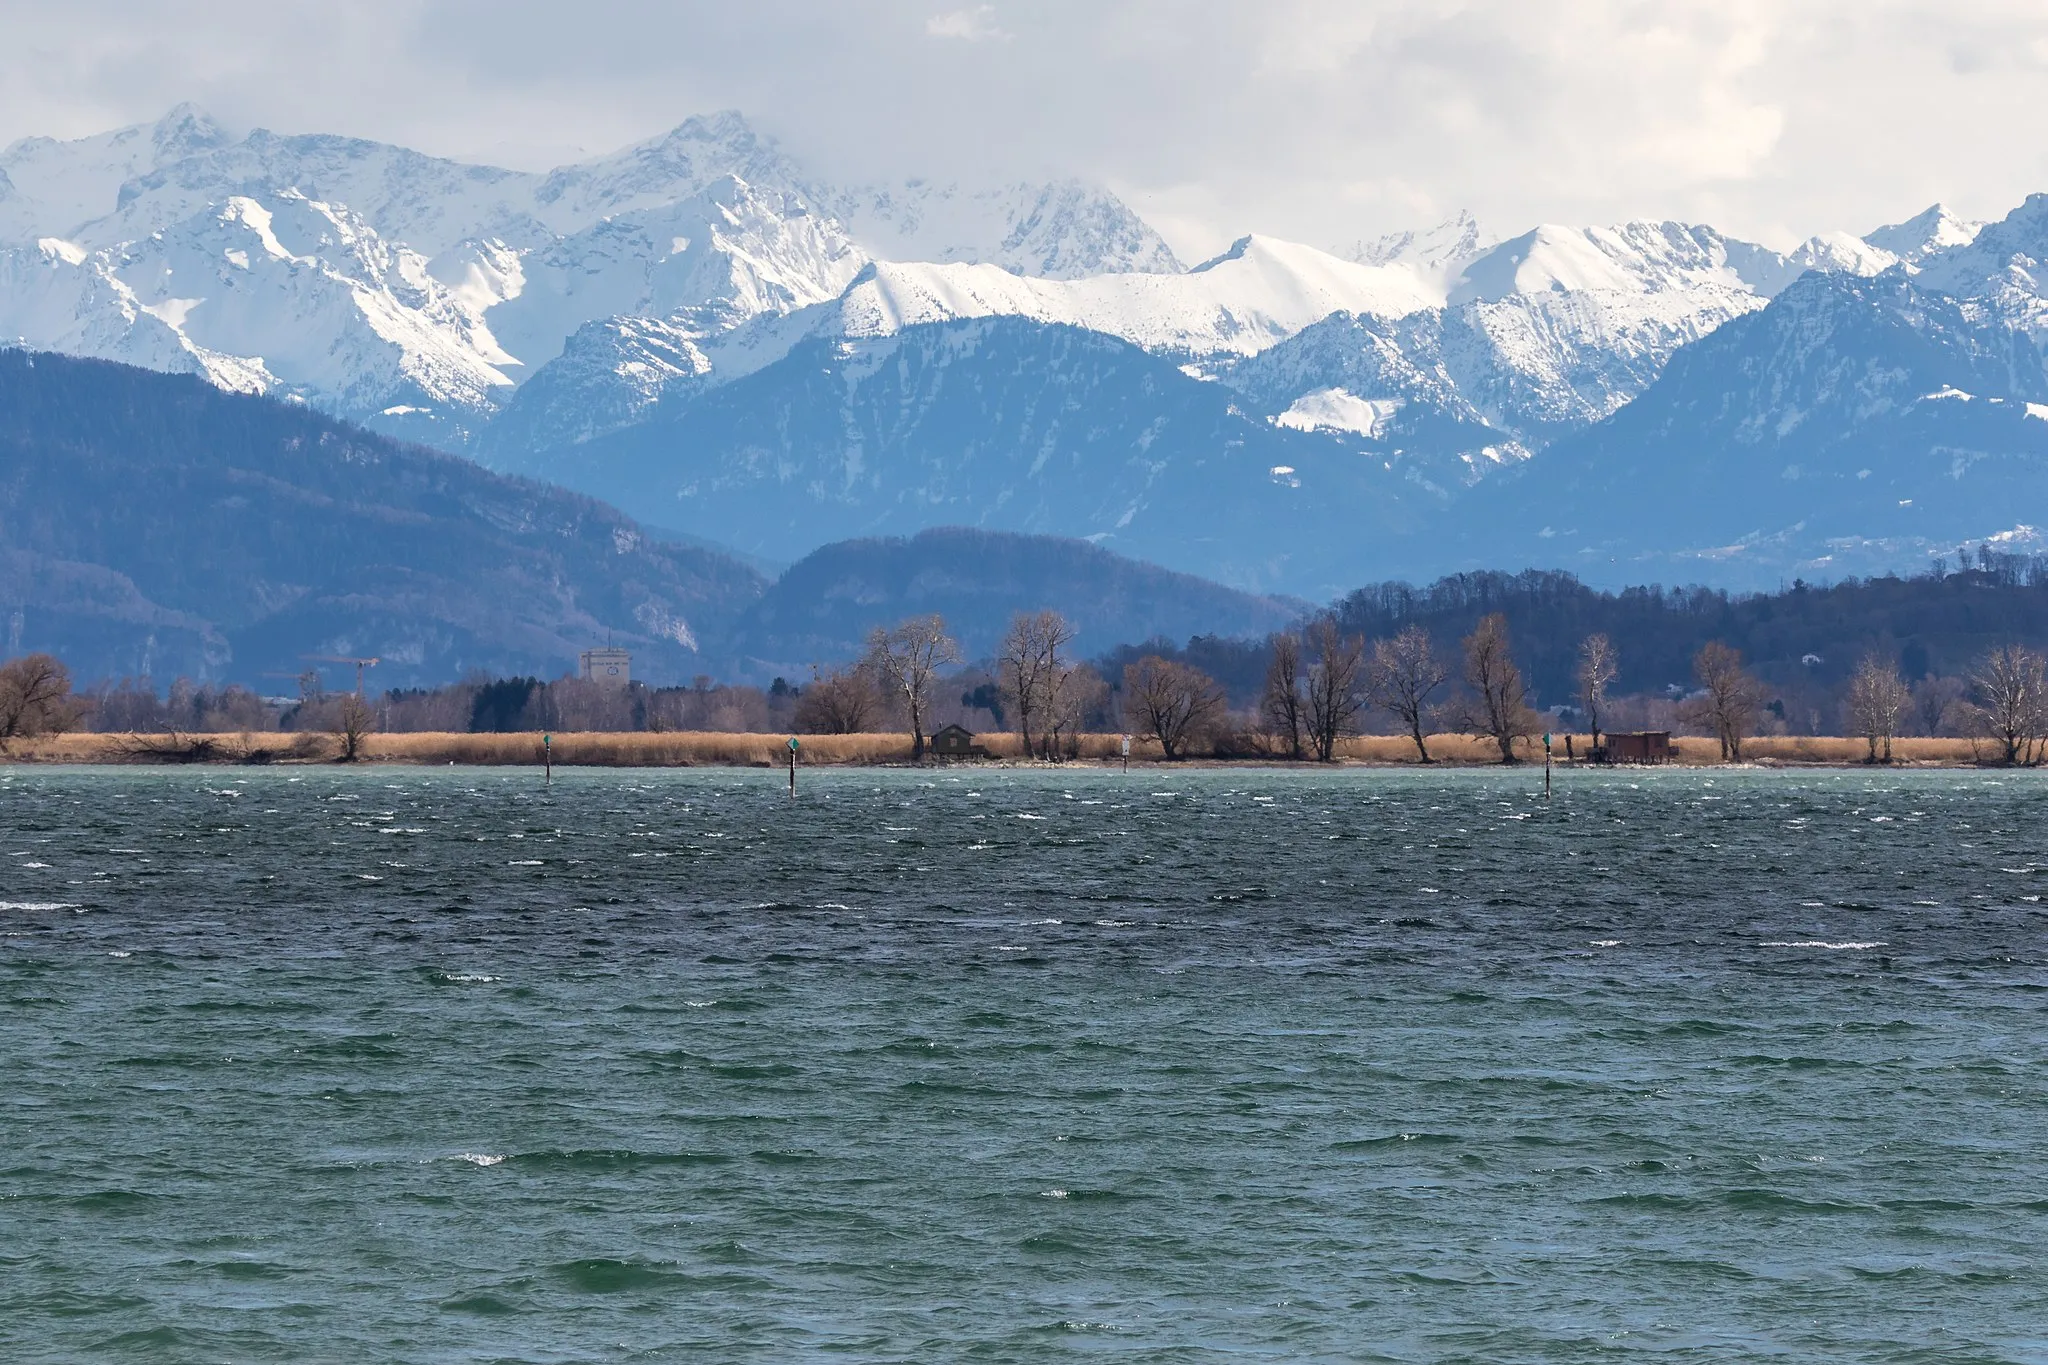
154	525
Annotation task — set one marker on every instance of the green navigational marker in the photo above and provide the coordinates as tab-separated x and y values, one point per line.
547	757
792	767
1546	765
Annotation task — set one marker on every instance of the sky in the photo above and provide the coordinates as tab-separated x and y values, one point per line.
1323	121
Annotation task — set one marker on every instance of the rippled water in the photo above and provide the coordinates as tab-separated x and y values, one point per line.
405	1065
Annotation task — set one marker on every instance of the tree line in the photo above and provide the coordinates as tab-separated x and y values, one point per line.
1378	661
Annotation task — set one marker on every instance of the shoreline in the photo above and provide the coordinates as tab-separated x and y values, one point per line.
694	749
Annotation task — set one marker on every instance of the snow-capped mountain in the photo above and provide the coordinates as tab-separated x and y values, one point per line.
1537	336
1259	292
1852	426
53	187
729	253
1930	231
1251	297
61	293
1064	230
435	287
2003	264
1442	364
706	299
1444	248
294	296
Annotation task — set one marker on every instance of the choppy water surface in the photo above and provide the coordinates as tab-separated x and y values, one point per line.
404	1065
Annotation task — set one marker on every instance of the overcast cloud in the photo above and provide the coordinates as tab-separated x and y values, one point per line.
1318	120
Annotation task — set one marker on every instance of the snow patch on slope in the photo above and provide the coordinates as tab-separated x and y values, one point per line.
1258	293
1335	409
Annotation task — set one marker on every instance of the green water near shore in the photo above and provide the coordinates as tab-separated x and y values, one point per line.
1025	1065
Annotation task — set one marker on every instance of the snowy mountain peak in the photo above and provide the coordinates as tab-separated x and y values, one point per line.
184	131
677	164
61	185
1446	246
1845	252
2001	267
1934	229
1644	257
1062	230
728	129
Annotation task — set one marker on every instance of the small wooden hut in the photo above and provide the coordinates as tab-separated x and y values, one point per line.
1637	746
956	741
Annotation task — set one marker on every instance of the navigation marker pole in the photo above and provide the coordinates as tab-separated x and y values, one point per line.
1546	765
1127	753
547	756
792	767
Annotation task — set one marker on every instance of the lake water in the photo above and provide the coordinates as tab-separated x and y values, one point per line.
437	1065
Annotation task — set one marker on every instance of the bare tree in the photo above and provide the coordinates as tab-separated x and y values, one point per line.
1877	700
1019	661
1334	700
1500	708
2011	683
1033	671
1401	677
907	659
1281	702
353	723
35	698
1599	662
1081	692
1731	698
839	701
1170	702
1060	707
1935	698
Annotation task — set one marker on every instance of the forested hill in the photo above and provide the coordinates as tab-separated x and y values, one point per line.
1803	637
153	524
1930	624
822	608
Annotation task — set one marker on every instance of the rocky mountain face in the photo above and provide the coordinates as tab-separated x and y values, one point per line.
1005	424
1855	425
1401	442
1535	338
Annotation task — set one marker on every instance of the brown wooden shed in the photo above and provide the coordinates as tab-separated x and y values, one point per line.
956	741
1640	746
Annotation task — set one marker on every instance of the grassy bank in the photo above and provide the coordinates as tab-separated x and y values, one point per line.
696	749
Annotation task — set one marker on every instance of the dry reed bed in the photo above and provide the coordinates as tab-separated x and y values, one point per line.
696	749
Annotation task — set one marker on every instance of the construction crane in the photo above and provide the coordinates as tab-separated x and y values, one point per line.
360	664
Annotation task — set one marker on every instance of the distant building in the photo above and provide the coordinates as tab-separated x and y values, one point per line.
956	741
1639	746
613	667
